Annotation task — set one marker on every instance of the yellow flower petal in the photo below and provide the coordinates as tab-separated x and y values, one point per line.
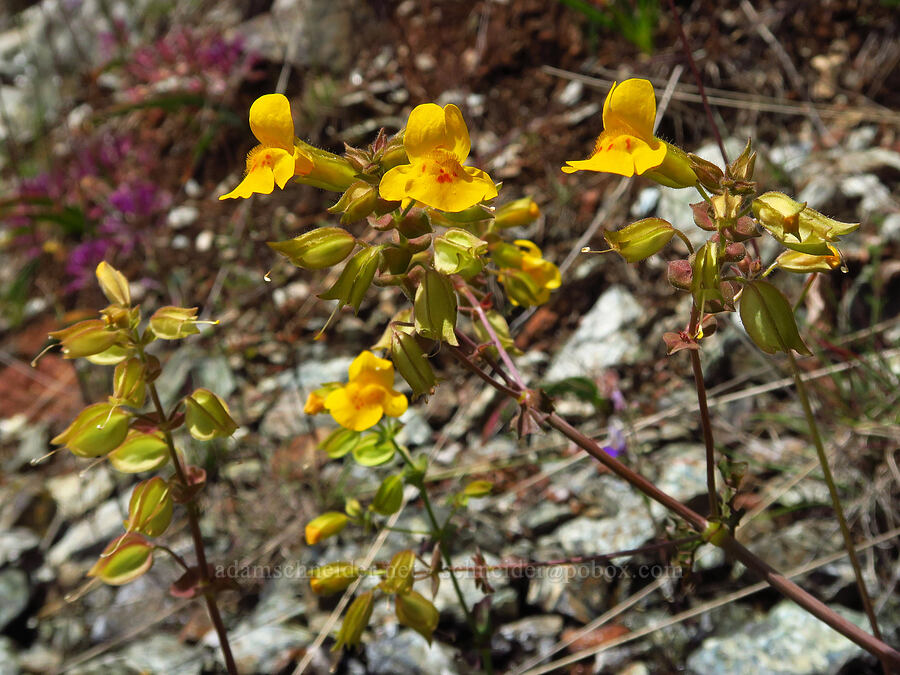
445	186
271	122
261	181
283	169
367	363
303	163
631	106
394	403
431	127
621	154
349	411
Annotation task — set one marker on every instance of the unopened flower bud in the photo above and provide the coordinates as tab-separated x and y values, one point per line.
333	578
726	208
324	526
709	175
734	252
318	248
768	318
741	169
517	213
434	308
680	274
804	263
702	217
394	153
640	240
113	284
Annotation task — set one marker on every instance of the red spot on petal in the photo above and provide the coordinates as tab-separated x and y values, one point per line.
628	143
609	147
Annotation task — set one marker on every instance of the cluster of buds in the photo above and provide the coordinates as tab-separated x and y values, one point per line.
134	441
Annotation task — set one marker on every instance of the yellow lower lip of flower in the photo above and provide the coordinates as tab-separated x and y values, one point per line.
440	185
621	154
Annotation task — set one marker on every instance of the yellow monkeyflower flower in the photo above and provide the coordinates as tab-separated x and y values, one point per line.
526	276
627	145
368	395
437	143
277	158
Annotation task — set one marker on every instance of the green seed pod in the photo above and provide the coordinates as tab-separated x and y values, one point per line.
97	430
129	385
355	621
399	576
418	613
434	308
356	277
458	251
174	323
86	338
641	239
318	248
411	363
517	213
150	508
389	496
207	417
125	559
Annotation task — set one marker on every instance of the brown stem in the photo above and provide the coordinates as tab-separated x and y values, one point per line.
199	549
698	79
707	434
722	538
835	499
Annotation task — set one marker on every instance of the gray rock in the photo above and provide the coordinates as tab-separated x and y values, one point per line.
588	536
15	542
874	196
890	228
446	599
789	641
682	474
101	526
182	216
408	653
14	589
38	658
215	374
32	446
161	653
534	634
9	659
819	191
544	516
646	202
76	494
862	138
263	649
601	340
286	419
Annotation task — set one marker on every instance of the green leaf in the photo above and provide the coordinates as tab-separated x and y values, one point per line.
769	319
372	450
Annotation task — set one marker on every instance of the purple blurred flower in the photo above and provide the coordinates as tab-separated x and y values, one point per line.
82	261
